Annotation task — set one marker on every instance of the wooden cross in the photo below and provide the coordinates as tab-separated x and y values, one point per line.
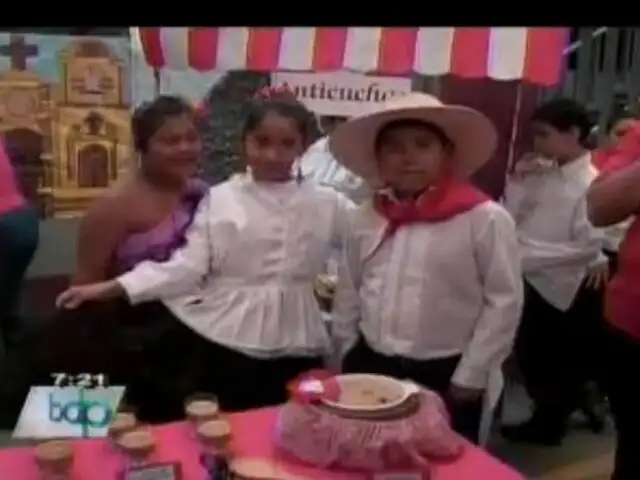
19	51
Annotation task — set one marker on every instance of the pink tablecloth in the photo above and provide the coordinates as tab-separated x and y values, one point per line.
94	459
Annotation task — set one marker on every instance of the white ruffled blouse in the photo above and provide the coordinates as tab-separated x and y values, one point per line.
245	277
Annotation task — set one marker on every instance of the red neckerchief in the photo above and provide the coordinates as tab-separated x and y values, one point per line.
449	197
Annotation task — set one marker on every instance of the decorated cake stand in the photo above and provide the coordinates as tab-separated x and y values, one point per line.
365	422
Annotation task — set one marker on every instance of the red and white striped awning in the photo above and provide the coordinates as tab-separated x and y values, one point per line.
501	53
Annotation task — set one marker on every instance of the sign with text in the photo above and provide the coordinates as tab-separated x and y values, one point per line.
342	94
68	412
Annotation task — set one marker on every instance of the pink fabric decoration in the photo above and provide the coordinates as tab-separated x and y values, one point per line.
323	438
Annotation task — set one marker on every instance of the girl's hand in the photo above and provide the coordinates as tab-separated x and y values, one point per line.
75	296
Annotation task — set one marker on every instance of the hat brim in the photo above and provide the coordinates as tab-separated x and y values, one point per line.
472	134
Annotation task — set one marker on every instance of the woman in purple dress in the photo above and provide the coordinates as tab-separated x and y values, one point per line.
143	217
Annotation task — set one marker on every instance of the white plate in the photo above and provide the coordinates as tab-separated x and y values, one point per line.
397	389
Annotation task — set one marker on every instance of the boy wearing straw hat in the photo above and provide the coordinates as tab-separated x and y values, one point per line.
430	288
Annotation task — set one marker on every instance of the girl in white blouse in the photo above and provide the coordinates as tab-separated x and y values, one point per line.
255	247
431	288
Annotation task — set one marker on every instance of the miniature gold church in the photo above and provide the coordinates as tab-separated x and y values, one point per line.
73	138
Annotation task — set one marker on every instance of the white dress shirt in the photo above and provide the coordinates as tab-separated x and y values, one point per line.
557	241
433	290
252	254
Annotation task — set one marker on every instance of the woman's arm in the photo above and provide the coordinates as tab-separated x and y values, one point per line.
615	195
101	230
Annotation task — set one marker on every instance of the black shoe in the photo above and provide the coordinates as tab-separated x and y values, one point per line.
533	432
595	419
593	408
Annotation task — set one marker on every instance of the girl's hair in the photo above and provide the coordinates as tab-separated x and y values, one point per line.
149	117
563	114
283	102
412	123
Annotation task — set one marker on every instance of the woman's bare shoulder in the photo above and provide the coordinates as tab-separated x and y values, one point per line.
113	206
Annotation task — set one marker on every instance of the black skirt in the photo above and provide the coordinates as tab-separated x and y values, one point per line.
143	347
558	351
162	362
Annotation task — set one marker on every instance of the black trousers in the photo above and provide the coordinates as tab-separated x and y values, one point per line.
623	358
556	353
433	374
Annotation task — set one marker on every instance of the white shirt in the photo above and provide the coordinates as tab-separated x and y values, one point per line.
259	253
557	241
433	290
320	166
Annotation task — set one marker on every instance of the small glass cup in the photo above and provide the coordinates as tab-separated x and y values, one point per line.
256	469
54	459
201	407
122	423
137	446
214	435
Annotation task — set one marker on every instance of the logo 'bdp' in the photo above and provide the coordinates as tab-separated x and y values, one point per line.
89	413
54	412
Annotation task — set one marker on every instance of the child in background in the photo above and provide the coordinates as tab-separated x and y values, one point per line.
564	272
431	288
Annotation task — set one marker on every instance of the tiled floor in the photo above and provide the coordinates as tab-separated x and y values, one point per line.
583	455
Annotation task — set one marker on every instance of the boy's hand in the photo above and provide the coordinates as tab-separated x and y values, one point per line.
597	276
465	394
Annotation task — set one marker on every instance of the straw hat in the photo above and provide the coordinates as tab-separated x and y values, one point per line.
473	135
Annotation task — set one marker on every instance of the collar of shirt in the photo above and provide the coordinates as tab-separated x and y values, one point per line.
571	168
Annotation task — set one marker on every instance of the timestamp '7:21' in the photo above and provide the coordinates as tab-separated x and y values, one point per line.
80	380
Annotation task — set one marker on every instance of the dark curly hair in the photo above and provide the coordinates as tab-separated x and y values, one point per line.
564	114
149	117
283	102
